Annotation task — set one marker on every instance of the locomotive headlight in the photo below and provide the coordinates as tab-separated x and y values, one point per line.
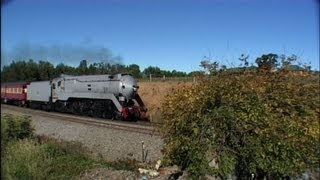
135	88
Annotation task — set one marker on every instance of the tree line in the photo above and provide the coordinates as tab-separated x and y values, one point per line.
266	62
43	70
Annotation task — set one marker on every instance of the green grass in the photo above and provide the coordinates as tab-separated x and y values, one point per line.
25	157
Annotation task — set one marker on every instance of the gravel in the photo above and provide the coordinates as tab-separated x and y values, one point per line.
112	144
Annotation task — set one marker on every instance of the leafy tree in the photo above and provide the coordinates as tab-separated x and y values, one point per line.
31	71
83	67
117	68
209	67
267	62
64	69
155	71
102	68
7	74
196	73
60	69
134	69
175	73
46	70
16	71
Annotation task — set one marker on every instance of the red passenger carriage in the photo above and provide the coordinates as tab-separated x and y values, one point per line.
14	93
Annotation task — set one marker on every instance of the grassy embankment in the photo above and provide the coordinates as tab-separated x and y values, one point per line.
25	156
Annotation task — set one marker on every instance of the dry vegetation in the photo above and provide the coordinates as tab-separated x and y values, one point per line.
153	94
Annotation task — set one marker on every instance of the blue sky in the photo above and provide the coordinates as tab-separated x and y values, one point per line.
170	34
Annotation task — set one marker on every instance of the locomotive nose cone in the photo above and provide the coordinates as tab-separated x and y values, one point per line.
130	85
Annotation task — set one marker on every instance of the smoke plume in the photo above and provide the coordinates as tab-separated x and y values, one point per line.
69	54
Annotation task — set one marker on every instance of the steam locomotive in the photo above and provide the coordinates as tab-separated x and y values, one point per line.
104	96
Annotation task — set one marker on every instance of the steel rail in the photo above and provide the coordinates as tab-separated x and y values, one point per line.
147	128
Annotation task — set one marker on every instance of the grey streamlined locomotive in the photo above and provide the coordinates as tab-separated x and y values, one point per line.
105	96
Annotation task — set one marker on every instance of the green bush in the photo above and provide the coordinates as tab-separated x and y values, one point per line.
261	124
16	127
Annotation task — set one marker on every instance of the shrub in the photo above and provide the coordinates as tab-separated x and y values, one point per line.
261	124
16	127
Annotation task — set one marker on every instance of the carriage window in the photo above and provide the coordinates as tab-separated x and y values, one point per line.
59	83
53	86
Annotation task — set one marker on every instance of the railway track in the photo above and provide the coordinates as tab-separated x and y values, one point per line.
138	127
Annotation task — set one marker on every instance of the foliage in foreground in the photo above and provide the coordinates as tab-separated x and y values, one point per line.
15	127
24	157
12	129
27	159
261	124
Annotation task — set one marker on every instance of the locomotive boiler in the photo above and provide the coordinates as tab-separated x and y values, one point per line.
105	96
